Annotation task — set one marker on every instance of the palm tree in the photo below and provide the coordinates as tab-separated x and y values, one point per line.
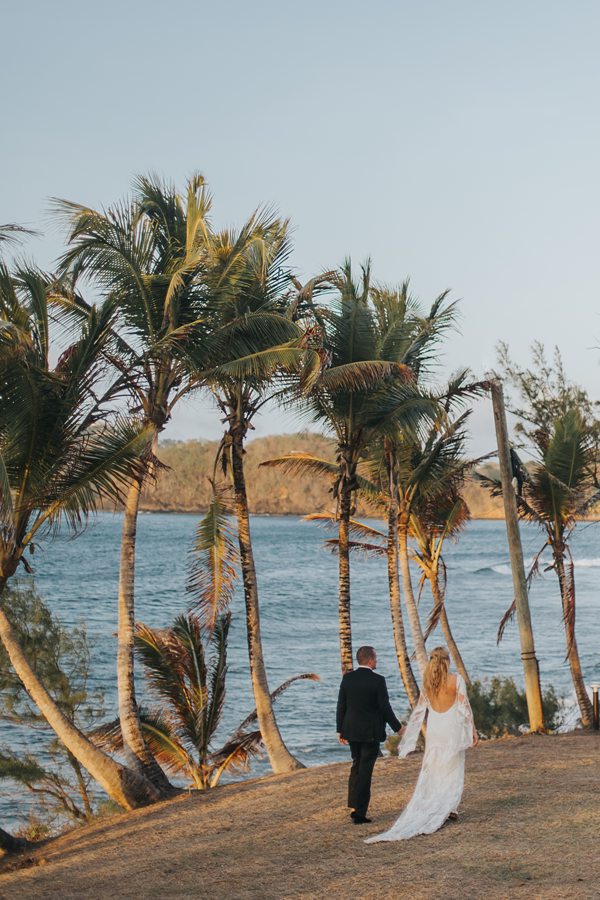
439	511
254	341
148	256
559	487
366	386
435	519
399	323
191	690
431	492
59	458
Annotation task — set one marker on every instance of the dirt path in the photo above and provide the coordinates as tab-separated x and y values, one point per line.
529	827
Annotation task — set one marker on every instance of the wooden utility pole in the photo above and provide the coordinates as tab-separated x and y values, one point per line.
531	670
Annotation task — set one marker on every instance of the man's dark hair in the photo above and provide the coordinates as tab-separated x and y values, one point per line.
364	655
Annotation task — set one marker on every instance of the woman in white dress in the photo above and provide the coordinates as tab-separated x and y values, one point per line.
450	731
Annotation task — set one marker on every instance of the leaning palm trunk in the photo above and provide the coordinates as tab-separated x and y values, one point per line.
408	678
409	598
280	757
124	786
128	711
585	706
345	625
439	601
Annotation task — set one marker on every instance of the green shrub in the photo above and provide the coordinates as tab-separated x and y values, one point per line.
500	708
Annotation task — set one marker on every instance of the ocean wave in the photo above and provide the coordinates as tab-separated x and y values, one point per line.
505	569
500	569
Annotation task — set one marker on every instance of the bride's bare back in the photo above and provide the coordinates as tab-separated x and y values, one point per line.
446	696
450	730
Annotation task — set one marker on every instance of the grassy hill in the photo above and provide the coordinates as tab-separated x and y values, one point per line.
527	828
184	487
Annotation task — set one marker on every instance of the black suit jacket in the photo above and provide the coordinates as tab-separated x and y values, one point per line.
364	707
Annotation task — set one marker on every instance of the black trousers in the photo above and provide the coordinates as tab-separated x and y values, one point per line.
364	754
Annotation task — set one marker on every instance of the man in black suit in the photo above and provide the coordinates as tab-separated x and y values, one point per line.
363	710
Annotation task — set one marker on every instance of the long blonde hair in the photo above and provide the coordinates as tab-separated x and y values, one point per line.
436	673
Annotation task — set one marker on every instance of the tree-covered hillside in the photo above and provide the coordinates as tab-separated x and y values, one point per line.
183	485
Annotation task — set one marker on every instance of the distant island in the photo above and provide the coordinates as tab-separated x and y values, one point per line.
183	485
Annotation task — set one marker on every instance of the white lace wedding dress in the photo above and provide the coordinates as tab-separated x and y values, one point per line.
440	784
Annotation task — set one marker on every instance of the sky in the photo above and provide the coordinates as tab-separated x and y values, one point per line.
457	144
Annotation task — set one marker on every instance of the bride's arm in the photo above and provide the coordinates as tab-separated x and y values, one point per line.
413	728
464	707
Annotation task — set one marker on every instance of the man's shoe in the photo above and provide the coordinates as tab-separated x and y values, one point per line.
361	820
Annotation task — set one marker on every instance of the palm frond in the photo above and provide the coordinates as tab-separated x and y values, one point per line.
164	659
97	467
356	528
6	502
303	464
217	675
568	593
505	620
235	754
13	234
307	676
213	572
361	375
534	572
260	366
165	745
360	547
161	737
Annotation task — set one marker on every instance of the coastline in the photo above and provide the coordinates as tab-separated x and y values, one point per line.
299	515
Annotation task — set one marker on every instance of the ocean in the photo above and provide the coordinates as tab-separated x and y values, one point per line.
298	592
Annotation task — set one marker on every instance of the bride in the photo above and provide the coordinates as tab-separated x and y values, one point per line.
450	730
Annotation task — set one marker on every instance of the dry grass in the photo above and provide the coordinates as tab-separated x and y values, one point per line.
529	827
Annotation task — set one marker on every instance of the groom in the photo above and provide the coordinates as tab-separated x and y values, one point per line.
362	712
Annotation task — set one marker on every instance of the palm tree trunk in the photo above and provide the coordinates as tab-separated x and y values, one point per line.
409	599
408	679
121	784
345	624
440	602
453	646
131	728
585	706
279	756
